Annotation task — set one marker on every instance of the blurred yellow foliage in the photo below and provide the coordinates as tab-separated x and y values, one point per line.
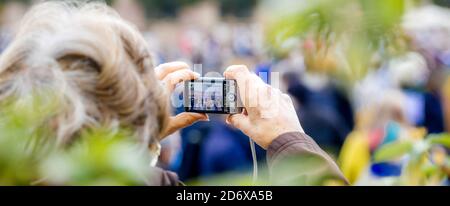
355	155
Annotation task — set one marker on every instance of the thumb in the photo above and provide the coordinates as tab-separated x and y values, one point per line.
181	121
240	121
186	119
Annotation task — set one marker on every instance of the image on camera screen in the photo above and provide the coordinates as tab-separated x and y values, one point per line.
207	96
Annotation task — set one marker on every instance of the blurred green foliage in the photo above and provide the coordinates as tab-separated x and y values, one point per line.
102	157
427	162
24	138
392	151
349	33
29	154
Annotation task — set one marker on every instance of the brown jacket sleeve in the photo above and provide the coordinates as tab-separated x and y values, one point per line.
160	177
295	159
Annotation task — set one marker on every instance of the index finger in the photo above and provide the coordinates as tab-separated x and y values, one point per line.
174	78
165	69
247	82
240	73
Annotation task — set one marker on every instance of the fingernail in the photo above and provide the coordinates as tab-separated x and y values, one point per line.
197	74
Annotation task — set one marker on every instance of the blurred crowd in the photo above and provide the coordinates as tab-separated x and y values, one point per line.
406	97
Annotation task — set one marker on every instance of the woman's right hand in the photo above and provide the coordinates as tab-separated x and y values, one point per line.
268	112
171	74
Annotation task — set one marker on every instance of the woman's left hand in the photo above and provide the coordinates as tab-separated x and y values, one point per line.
172	74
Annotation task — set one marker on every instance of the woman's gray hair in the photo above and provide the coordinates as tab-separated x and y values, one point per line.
97	64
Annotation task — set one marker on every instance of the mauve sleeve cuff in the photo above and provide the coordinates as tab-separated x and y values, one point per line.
295	143
282	143
160	177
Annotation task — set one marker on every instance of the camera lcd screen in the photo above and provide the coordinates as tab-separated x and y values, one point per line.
210	95
206	96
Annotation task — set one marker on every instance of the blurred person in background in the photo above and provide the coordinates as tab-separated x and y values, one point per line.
416	107
324	110
380	123
429	30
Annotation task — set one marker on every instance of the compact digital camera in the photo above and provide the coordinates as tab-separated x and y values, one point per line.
212	95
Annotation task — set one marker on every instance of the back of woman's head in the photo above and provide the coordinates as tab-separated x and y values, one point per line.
97	65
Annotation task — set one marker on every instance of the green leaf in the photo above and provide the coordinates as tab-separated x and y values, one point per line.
440	139
392	151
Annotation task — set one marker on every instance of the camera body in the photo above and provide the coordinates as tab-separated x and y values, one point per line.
212	95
